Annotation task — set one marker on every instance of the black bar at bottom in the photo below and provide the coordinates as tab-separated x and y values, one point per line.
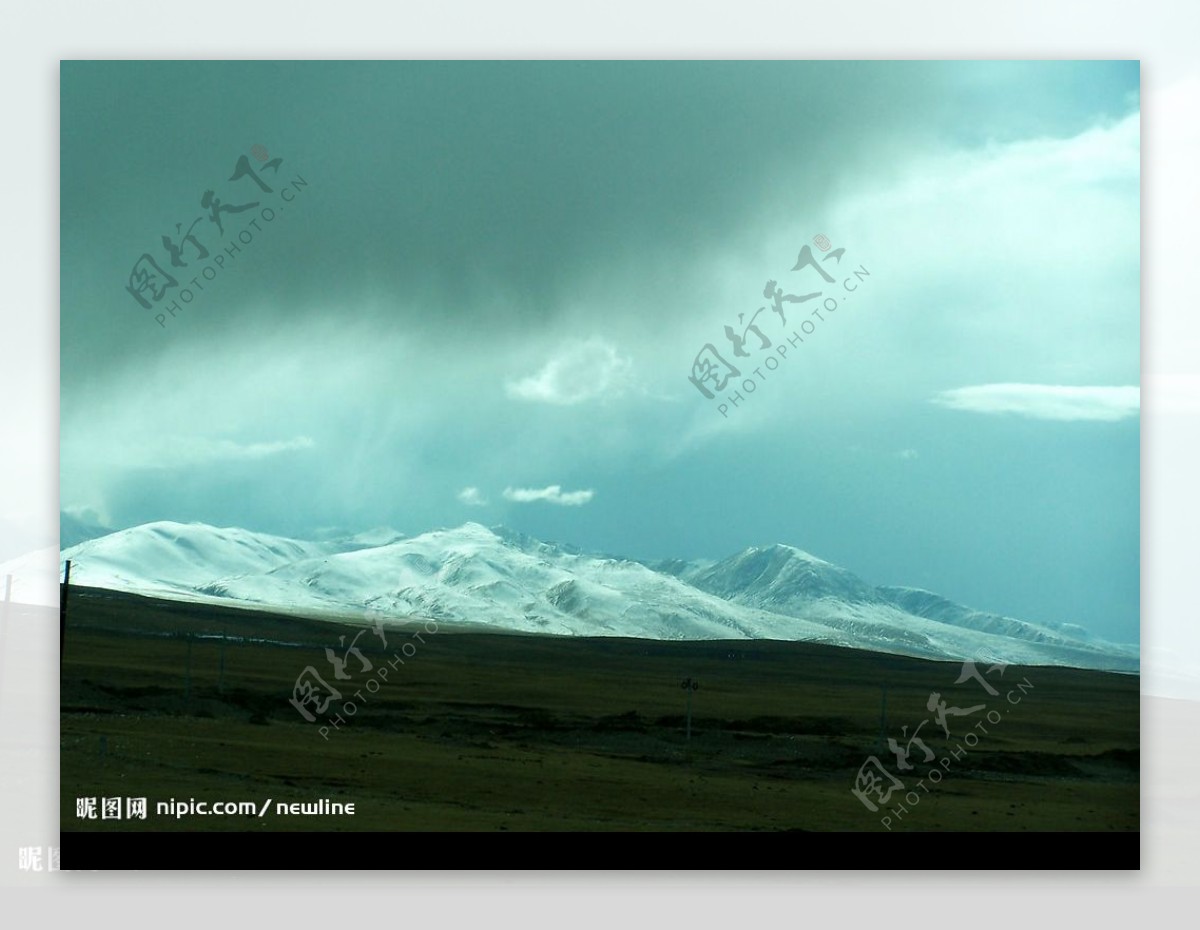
1018	852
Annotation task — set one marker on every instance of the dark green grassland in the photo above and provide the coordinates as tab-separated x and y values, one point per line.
479	731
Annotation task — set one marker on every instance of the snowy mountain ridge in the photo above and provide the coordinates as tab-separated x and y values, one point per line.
504	580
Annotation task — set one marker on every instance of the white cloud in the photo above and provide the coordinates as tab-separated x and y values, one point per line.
1045	401
87	513
472	497
580	371
908	454
185	451
553	494
256	450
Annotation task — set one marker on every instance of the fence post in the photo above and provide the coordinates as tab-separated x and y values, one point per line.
64	592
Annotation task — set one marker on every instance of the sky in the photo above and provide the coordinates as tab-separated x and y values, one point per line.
482	288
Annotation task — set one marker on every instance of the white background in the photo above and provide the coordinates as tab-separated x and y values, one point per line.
891	888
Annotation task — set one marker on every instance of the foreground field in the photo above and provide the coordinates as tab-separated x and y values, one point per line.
471	731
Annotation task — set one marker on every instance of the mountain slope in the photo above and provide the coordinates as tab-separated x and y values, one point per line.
182	558
507	581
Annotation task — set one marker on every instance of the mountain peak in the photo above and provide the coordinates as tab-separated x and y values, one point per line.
781	575
784	549
471	528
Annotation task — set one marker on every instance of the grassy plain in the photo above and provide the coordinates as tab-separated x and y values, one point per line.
483	732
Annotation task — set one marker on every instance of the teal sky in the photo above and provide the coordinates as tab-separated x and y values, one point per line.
497	277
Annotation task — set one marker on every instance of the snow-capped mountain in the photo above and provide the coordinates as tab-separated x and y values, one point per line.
182	559
503	580
935	607
779	578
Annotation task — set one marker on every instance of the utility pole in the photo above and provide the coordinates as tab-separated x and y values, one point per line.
221	668
689	685
62	612
883	716
187	681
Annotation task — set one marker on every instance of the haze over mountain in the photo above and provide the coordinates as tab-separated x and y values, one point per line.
502	580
